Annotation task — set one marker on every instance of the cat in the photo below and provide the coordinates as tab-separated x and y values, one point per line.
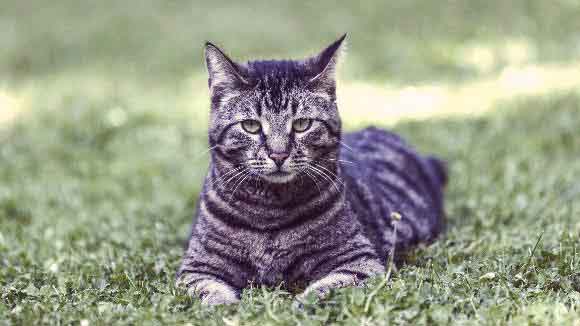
289	200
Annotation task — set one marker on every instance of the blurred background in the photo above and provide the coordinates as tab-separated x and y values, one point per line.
405	58
103	120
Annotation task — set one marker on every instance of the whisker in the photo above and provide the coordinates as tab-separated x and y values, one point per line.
329	172
346	146
221	177
234	177
324	175
239	184
199	155
313	179
339	160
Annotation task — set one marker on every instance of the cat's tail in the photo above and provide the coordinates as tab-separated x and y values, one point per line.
440	169
439	174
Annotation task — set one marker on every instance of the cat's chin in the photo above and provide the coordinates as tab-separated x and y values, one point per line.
279	177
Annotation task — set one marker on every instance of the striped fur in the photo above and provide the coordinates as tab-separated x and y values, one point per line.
319	219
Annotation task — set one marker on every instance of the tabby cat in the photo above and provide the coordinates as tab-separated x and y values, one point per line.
288	198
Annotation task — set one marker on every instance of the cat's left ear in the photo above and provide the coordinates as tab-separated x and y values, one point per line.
325	67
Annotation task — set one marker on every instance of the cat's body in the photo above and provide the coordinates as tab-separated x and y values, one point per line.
286	201
387	176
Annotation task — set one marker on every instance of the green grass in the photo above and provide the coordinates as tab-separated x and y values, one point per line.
100	173
94	212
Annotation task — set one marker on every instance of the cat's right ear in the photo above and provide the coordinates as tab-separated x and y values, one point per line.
223	73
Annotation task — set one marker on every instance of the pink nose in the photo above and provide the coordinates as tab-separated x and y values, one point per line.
279	158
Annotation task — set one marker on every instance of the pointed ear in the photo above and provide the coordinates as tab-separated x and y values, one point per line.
325	66
223	72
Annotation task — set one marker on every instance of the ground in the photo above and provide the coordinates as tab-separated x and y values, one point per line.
103	120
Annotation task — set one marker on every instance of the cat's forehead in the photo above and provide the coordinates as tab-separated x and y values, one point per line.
273	102
274	70
276	86
279	93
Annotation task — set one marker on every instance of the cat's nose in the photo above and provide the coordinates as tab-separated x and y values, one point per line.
279	158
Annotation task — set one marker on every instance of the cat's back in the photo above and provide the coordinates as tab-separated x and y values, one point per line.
385	175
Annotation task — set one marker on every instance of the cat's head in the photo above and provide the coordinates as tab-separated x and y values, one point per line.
275	119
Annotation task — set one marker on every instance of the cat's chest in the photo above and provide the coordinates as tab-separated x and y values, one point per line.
270	256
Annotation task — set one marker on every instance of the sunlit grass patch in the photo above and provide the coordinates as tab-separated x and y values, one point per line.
10	105
360	102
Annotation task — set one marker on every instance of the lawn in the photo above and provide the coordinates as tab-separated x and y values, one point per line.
102	159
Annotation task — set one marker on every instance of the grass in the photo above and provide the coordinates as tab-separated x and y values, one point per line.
100	172
94	210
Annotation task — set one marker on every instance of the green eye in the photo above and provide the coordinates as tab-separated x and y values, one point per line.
251	126
301	125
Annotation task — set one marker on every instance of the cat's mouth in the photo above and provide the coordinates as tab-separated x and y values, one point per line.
279	176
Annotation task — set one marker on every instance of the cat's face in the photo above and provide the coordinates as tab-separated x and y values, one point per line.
274	119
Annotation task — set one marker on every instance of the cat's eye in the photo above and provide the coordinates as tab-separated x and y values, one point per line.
251	126
301	125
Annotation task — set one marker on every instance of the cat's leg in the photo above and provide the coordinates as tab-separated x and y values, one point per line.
353	273
209	289
212	276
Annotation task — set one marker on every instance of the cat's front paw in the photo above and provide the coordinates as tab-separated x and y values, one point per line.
216	293
219	298
210	292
